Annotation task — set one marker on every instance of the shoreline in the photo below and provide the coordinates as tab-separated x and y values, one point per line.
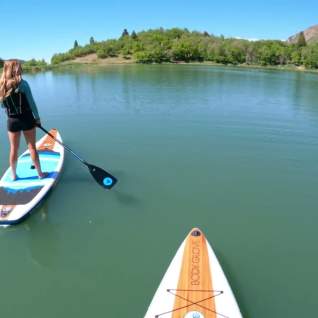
100	63
93	60
116	61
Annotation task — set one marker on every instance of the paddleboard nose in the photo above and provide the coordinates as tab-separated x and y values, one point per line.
196	232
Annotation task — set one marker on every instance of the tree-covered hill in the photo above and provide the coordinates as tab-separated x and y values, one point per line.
181	45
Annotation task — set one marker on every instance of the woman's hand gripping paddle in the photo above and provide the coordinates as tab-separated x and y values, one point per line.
102	177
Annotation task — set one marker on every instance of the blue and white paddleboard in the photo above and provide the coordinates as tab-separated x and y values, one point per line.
19	197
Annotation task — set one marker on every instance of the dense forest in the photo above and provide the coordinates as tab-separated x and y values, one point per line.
181	45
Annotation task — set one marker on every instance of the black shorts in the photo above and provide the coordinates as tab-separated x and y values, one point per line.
23	122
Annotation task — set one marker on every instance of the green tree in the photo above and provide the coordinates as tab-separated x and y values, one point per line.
251	54
186	50
60	57
295	57
271	53
91	40
310	56
176	33
125	33
134	36
154	55
1	62
109	49
301	40
34	65
75	44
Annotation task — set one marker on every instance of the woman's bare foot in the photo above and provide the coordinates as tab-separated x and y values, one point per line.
43	175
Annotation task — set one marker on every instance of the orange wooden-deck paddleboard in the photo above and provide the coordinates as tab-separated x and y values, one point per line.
194	285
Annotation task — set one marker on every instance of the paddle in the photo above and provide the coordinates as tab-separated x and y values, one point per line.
102	177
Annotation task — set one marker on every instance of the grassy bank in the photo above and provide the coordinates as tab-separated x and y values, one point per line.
95	62
92	62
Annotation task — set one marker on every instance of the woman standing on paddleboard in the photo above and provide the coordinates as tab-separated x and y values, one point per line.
17	99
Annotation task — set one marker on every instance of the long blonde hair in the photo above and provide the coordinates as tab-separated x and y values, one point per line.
10	78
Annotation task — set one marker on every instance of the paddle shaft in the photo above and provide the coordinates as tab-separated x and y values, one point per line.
65	146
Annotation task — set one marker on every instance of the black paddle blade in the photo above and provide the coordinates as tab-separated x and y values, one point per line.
103	178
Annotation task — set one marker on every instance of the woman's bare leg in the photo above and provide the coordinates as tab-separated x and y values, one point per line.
14	138
30	140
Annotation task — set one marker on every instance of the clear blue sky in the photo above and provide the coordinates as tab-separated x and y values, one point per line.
40	28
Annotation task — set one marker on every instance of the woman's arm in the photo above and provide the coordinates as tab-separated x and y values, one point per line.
25	88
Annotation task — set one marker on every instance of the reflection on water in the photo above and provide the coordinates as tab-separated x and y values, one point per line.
41	229
139	89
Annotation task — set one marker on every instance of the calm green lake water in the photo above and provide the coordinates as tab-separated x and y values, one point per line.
231	151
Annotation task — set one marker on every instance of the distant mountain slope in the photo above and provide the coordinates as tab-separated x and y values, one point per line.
311	35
